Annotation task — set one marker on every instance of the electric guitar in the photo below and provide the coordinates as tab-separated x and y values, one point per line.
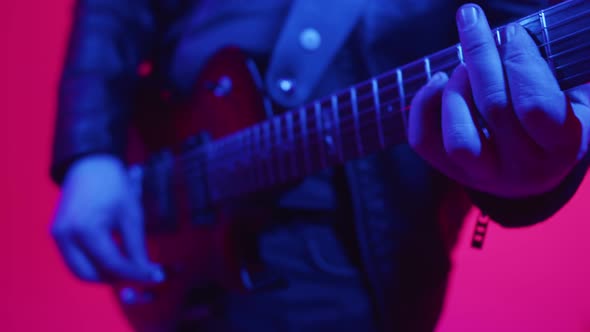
201	161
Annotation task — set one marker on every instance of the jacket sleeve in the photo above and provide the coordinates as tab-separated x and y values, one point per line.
531	210
107	42
534	209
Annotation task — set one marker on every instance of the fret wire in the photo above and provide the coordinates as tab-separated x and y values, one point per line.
351	131
267	151
460	53
498	37
561	8
557	9
350	124
218	195
576	75
427	68
336	117
354	105
280	152
546	39
382	76
392	86
322	135
375	89
292	144
257	158
557	54
402	95
303	119
349	127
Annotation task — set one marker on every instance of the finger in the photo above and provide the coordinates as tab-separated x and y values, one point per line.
538	102
74	258
580	102
132	232
424	127
484	65
133	239
464	141
101	248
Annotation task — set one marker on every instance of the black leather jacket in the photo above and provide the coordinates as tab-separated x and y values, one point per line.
397	200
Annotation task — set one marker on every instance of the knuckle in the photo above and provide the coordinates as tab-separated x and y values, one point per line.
495	99
530	108
494	105
515	57
477	47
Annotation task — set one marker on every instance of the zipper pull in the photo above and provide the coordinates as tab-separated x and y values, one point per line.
480	231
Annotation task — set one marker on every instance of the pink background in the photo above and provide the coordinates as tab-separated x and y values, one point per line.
534	279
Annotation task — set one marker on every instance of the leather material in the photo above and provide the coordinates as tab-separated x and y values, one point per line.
304	62
394	197
109	39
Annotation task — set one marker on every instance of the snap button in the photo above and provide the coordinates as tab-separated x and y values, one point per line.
310	39
286	85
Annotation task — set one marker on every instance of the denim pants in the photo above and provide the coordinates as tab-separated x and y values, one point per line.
325	289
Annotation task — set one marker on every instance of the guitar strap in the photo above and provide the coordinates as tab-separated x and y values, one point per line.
313	33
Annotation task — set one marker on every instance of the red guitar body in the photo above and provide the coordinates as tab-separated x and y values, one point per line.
225	99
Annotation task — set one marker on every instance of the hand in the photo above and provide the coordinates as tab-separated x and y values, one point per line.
536	133
97	199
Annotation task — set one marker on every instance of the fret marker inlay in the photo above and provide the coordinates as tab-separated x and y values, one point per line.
546	40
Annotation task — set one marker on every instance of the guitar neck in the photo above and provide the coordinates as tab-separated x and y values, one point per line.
372	115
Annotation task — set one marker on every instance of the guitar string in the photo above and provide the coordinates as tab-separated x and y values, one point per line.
252	168
219	156
397	111
343	131
363	97
297	152
366	96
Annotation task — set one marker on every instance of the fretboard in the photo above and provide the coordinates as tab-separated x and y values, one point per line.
372	115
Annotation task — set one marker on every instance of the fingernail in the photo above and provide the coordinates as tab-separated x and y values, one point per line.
468	16
509	32
437	78
158	276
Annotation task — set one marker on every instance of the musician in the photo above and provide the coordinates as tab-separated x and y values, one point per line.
364	247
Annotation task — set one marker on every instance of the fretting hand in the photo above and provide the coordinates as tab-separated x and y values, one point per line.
534	133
